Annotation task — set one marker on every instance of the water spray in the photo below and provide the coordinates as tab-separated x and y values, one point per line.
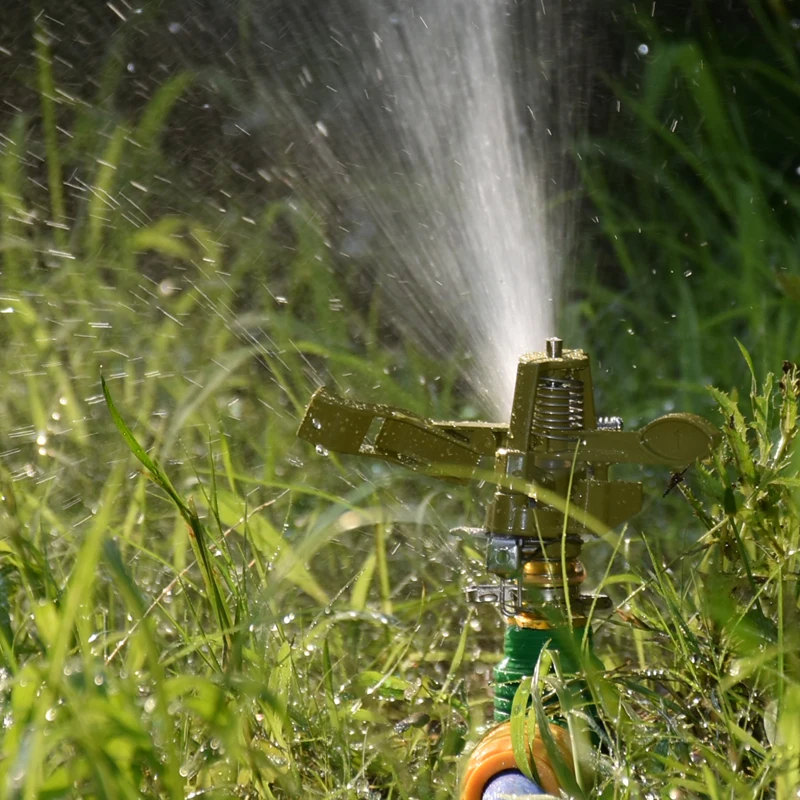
550	464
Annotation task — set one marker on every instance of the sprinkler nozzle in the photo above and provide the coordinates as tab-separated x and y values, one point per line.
553	347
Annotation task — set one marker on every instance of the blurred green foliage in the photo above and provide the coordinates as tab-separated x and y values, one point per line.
696	194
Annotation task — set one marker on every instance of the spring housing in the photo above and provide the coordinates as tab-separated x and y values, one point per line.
559	409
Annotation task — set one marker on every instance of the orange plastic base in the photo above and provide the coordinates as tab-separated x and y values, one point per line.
494	754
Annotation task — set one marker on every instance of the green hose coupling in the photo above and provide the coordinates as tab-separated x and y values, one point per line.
521	650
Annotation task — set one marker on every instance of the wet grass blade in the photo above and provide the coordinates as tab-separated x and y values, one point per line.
102	203
522	731
197	533
154	118
47	97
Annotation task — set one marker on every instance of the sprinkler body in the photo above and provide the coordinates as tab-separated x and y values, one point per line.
550	464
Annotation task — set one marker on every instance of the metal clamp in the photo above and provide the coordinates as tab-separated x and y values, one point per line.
503	595
503	556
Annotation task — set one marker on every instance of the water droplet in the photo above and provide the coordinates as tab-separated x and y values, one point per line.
321	451
131	67
316	423
321	127
174	27
642	49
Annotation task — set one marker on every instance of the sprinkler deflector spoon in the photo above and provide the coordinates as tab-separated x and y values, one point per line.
550	464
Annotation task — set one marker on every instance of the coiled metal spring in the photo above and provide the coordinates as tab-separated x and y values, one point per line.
558	411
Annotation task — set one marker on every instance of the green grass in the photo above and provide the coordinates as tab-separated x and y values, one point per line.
259	629
191	600
716	671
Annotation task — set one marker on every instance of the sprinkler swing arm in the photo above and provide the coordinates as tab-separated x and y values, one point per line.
550	464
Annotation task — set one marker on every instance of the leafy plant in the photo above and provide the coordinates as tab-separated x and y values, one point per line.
706	704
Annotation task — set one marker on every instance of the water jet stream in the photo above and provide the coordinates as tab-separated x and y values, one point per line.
439	138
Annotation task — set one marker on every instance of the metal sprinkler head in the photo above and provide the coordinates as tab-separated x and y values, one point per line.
550	464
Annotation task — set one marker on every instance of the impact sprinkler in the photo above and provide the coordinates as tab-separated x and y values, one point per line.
550	464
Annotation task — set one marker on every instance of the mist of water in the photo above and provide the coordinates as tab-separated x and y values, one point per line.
442	136
471	232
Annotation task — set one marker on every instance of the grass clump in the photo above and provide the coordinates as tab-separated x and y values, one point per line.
239	676
241	626
706	702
